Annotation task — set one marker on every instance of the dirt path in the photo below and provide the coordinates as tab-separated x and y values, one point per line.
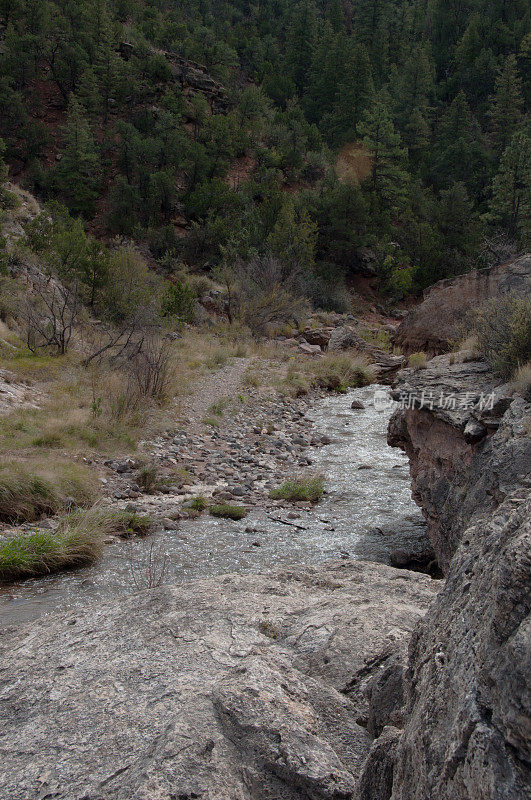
211	388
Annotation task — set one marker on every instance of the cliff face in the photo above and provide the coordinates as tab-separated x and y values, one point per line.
433	324
466	732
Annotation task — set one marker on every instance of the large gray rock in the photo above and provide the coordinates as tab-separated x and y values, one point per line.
467	734
437	321
466	729
457	477
223	689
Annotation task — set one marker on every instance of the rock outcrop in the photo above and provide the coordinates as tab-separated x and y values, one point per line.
222	689
432	325
466	732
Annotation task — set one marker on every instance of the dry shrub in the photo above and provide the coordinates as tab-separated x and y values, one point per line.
503	329
267	297
418	360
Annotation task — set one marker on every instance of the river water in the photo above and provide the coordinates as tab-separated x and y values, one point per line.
367	511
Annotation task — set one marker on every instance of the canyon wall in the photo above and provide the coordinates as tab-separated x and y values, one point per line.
465	727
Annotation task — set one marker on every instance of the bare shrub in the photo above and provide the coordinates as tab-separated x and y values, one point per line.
50	313
267	295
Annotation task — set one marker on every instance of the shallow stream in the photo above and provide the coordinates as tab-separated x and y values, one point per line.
367	511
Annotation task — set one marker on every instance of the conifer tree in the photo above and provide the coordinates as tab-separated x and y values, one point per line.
388	178
76	173
511	196
506	103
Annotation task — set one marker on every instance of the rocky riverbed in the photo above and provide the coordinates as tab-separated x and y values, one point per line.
366	511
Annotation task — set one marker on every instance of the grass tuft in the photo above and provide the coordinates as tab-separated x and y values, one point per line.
305	487
27	494
228	511
77	542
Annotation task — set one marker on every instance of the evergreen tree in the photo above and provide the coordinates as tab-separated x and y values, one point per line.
301	39
460	152
76	175
506	103
354	95
511	197
388	177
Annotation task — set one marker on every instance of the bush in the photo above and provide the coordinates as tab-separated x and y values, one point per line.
178	301
418	360
338	372
197	504
148	478
228	511
305	487
27	495
503	330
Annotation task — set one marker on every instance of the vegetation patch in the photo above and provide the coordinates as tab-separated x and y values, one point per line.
418	360
304	487
27	493
228	511
503	330
77	542
339	372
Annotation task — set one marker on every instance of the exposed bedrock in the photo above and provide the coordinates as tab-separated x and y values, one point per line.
224	689
437	321
466	731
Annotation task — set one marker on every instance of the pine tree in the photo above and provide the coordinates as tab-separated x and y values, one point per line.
511	194
460	152
301	41
506	103
412	100
355	92
75	177
388	178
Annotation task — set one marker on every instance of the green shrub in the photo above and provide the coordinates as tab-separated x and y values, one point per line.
197	504
304	487
228	511
178	300
503	330
148	478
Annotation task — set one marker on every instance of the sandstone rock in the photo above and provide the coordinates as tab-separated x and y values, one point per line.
320	336
456	477
433	324
177	692
310	349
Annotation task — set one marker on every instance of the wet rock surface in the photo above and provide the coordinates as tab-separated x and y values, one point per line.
223	688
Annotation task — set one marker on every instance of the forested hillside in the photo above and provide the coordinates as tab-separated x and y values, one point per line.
330	134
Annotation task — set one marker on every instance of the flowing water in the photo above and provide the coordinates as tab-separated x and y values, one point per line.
367	510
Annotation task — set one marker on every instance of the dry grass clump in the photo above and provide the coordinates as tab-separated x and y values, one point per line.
335	372
340	371
503	329
303	487
522	379
27	493
418	360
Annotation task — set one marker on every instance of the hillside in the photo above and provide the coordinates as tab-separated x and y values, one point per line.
210	132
